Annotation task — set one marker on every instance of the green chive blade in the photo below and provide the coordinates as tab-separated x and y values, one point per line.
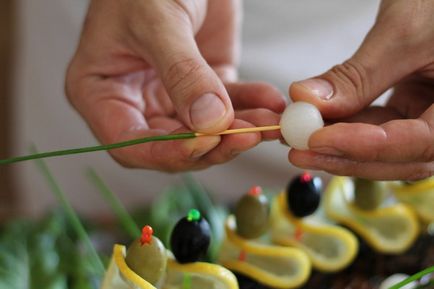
71	214
89	149
122	214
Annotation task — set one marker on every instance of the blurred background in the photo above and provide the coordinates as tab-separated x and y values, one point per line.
283	41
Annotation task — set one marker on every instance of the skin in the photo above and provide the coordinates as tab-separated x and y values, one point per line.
395	141
141	65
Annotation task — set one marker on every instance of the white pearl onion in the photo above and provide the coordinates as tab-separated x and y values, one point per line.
299	121
394	279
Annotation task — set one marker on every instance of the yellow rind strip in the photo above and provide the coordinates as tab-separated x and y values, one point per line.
402	210
263	276
127	273
417	187
342	234
206	269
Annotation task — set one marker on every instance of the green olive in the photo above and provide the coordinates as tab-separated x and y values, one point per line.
147	260
252	215
368	195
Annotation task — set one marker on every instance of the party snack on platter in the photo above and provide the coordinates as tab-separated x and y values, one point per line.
254	260
28	250
387	227
148	265
418	195
329	247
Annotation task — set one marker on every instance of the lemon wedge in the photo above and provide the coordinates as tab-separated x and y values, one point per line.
199	275
274	266
418	195
329	247
391	229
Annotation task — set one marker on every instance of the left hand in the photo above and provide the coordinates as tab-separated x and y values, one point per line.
391	142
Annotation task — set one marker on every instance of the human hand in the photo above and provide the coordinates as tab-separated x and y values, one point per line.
391	142
152	67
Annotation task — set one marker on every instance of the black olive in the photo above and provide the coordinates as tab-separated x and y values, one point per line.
303	195
190	238
245	282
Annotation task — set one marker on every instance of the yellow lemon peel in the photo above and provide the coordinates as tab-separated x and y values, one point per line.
390	229
296	257
207	270
419	196
119	252
329	247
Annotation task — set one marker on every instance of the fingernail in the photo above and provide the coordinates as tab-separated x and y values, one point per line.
206	111
200	146
198	154
328	151
319	87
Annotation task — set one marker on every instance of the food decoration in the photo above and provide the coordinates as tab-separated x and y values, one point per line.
419	195
37	251
148	265
387	227
190	238
253	259
329	247
298	122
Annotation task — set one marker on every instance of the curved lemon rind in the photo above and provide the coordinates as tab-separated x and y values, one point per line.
343	234
259	249
403	192
419	187
215	271
265	277
127	273
269	251
377	243
321	264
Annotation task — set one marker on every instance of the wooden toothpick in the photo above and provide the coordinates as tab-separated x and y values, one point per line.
242	130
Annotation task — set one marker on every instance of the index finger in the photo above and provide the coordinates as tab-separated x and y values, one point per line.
394	141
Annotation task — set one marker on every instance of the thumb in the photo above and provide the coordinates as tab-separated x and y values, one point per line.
198	94
383	59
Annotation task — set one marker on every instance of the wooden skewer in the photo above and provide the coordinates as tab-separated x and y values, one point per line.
241	130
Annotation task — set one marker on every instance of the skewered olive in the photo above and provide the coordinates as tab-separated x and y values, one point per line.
190	238
303	195
368	195
146	256
252	214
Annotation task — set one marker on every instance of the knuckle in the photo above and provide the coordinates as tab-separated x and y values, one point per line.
428	153
353	77
421	172
118	157
183	74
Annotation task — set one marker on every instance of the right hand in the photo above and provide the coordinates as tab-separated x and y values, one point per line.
153	67
391	142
